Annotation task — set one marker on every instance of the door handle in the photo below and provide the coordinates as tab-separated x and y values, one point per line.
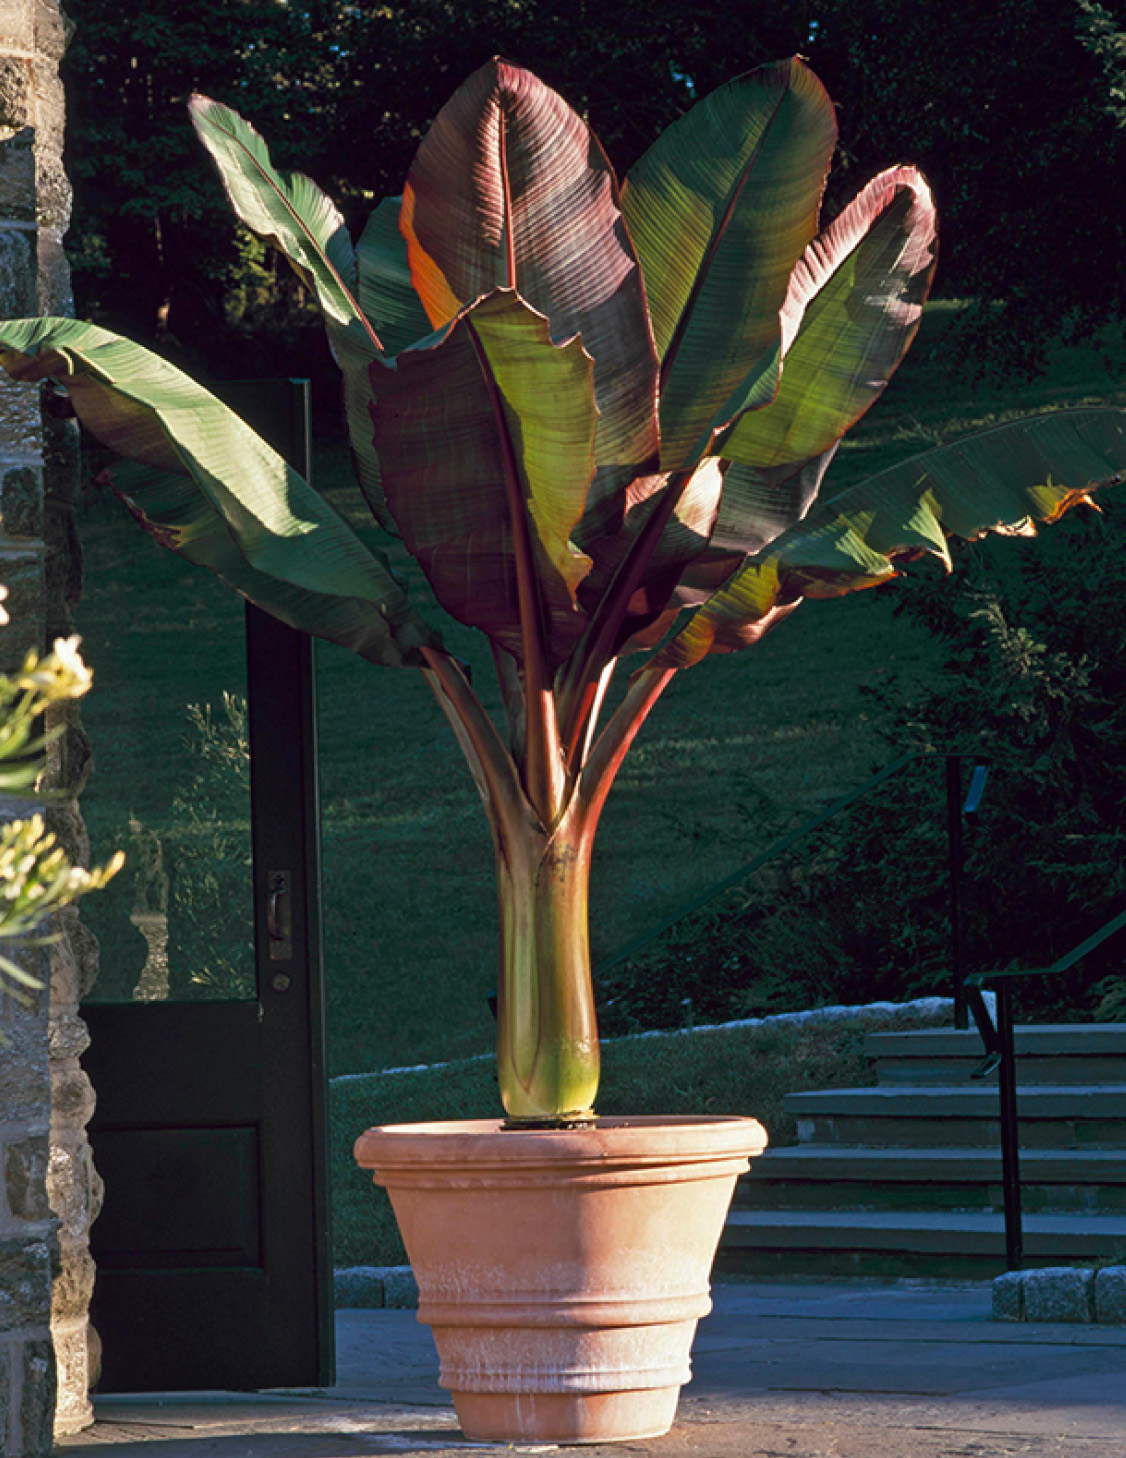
279	916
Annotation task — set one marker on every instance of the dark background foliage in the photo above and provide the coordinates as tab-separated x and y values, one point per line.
1034	688
1014	108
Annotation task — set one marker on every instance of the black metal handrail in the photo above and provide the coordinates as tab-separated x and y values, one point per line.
1000	1055
956	810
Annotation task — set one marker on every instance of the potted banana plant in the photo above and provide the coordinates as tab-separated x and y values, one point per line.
600	419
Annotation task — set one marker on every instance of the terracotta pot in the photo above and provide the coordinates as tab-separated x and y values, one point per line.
563	1271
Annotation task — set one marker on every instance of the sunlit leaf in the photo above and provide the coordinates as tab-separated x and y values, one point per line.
483	431
211	488
511	190
852	309
287	209
1002	480
720	209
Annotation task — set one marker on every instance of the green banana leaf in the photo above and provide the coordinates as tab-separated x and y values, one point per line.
210	487
384	287
852	309
720	209
290	211
486	436
1002	480
510	189
287	209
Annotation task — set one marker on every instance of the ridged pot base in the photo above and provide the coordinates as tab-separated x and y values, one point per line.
566	1417
563	1271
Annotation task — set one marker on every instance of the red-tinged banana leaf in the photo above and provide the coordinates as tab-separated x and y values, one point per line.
211	488
682	539
755	508
510	189
384	286
485	434
751	509
1002	480
852	309
290	211
719	210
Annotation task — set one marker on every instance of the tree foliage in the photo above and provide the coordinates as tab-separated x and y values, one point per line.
1011	107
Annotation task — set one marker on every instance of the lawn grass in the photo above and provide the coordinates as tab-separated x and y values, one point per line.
733	1070
737	749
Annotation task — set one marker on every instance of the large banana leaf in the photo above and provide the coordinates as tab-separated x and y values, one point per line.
720	209
486	438
213	489
290	211
1001	480
509	189
852	309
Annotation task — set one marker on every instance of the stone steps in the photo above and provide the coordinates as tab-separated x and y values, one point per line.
1053	1116
904	1178
809	1177
1052	1053
927	1243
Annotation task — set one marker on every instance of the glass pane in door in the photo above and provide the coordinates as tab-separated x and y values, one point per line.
167	720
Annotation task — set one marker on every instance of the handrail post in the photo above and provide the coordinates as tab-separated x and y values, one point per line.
1010	1147
955	863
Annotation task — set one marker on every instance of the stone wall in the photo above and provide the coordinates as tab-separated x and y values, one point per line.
48	1189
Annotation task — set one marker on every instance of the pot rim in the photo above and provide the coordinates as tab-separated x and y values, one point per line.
641	1140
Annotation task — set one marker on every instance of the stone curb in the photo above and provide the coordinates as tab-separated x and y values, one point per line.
371	1287
1062	1293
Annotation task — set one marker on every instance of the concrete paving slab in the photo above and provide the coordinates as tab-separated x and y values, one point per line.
826	1370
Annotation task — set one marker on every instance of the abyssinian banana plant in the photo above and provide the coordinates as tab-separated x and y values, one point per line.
600	418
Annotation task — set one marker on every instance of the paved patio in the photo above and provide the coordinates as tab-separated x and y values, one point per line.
781	1371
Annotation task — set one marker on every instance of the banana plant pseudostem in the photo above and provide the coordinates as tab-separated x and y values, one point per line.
600	419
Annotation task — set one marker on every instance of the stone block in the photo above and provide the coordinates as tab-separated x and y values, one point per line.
21	498
56	297
25	1284
73	1410
25	1178
53	197
1059	1293
371	1287
53	30
15	94
6	1435
1008	1297
1110	1295
24	1086
73	1285
400	1289
17	25
84	949
18	276
21	571
17	168
358	1287
73	1097
20	428
68	1036
71	1188
37	1400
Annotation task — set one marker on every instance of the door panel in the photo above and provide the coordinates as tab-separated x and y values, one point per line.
213	1245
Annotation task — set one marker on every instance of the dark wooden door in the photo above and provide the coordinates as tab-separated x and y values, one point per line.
213	1243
